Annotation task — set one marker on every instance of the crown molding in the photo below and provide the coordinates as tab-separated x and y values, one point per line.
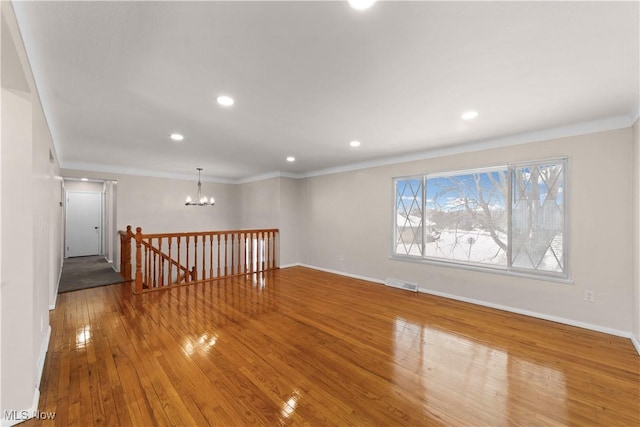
114	169
603	125
277	174
594	126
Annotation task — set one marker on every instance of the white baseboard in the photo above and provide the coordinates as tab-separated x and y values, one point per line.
636	343
535	314
25	414
43	355
289	265
570	322
342	273
55	297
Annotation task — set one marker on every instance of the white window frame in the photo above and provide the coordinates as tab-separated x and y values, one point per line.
422	178
560	277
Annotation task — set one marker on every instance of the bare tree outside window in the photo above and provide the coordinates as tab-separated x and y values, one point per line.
408	220
509	217
537	218
466	217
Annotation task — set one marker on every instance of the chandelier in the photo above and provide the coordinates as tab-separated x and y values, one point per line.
200	200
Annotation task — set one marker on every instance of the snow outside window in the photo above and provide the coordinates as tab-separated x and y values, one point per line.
537	218
507	218
466	217
408	216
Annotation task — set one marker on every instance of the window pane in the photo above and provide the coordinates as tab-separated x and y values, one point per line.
537	218
466	217
408	219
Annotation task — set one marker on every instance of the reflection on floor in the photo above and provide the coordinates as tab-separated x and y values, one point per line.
299	346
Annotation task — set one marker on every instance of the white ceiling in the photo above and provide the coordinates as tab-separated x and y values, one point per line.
117	78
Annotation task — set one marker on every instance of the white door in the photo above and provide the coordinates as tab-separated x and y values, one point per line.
83	223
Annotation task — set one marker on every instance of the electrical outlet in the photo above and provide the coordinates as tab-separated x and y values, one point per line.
341	257
589	296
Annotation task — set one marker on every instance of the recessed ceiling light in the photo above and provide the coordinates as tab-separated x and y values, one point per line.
361	4
469	115
355	143
227	101
84	179
177	137
291	159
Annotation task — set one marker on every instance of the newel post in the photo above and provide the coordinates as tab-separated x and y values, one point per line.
123	255
138	260
125	244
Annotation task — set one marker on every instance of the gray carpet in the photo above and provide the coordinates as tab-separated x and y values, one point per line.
87	272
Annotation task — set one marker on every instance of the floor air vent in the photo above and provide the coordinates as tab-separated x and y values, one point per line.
401	284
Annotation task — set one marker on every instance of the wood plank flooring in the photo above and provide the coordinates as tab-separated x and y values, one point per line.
303	347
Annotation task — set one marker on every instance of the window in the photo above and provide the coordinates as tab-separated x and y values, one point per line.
537	217
467	218
408	223
508	218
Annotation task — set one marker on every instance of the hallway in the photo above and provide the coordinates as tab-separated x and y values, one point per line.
87	272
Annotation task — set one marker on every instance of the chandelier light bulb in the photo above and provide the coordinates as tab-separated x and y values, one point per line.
188	199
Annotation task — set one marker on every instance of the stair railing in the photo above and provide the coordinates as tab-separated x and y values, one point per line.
173	259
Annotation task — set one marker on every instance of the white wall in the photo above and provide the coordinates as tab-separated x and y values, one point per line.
56	231
636	235
292	193
259	204
348	224
111	230
274	203
17	249
2	24
29	262
74	185
157	204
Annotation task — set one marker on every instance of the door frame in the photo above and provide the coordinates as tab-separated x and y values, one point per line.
102	219
109	189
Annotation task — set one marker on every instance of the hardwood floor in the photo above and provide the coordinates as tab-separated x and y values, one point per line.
303	347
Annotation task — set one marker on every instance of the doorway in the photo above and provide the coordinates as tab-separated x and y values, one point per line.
83	223
89	234
104	190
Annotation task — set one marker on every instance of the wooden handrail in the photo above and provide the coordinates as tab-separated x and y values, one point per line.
186	273
205	233
165	256
164	260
